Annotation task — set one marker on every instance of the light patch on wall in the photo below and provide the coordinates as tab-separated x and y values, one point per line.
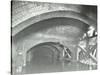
71	31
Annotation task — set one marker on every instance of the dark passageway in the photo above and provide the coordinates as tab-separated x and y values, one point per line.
43	58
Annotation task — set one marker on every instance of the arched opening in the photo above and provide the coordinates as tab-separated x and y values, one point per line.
43	49
44	57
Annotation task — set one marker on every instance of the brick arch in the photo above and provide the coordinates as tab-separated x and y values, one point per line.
53	47
52	44
44	16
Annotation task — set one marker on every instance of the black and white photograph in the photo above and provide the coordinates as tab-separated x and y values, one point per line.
51	37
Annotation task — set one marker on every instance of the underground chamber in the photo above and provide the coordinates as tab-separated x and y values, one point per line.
55	41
